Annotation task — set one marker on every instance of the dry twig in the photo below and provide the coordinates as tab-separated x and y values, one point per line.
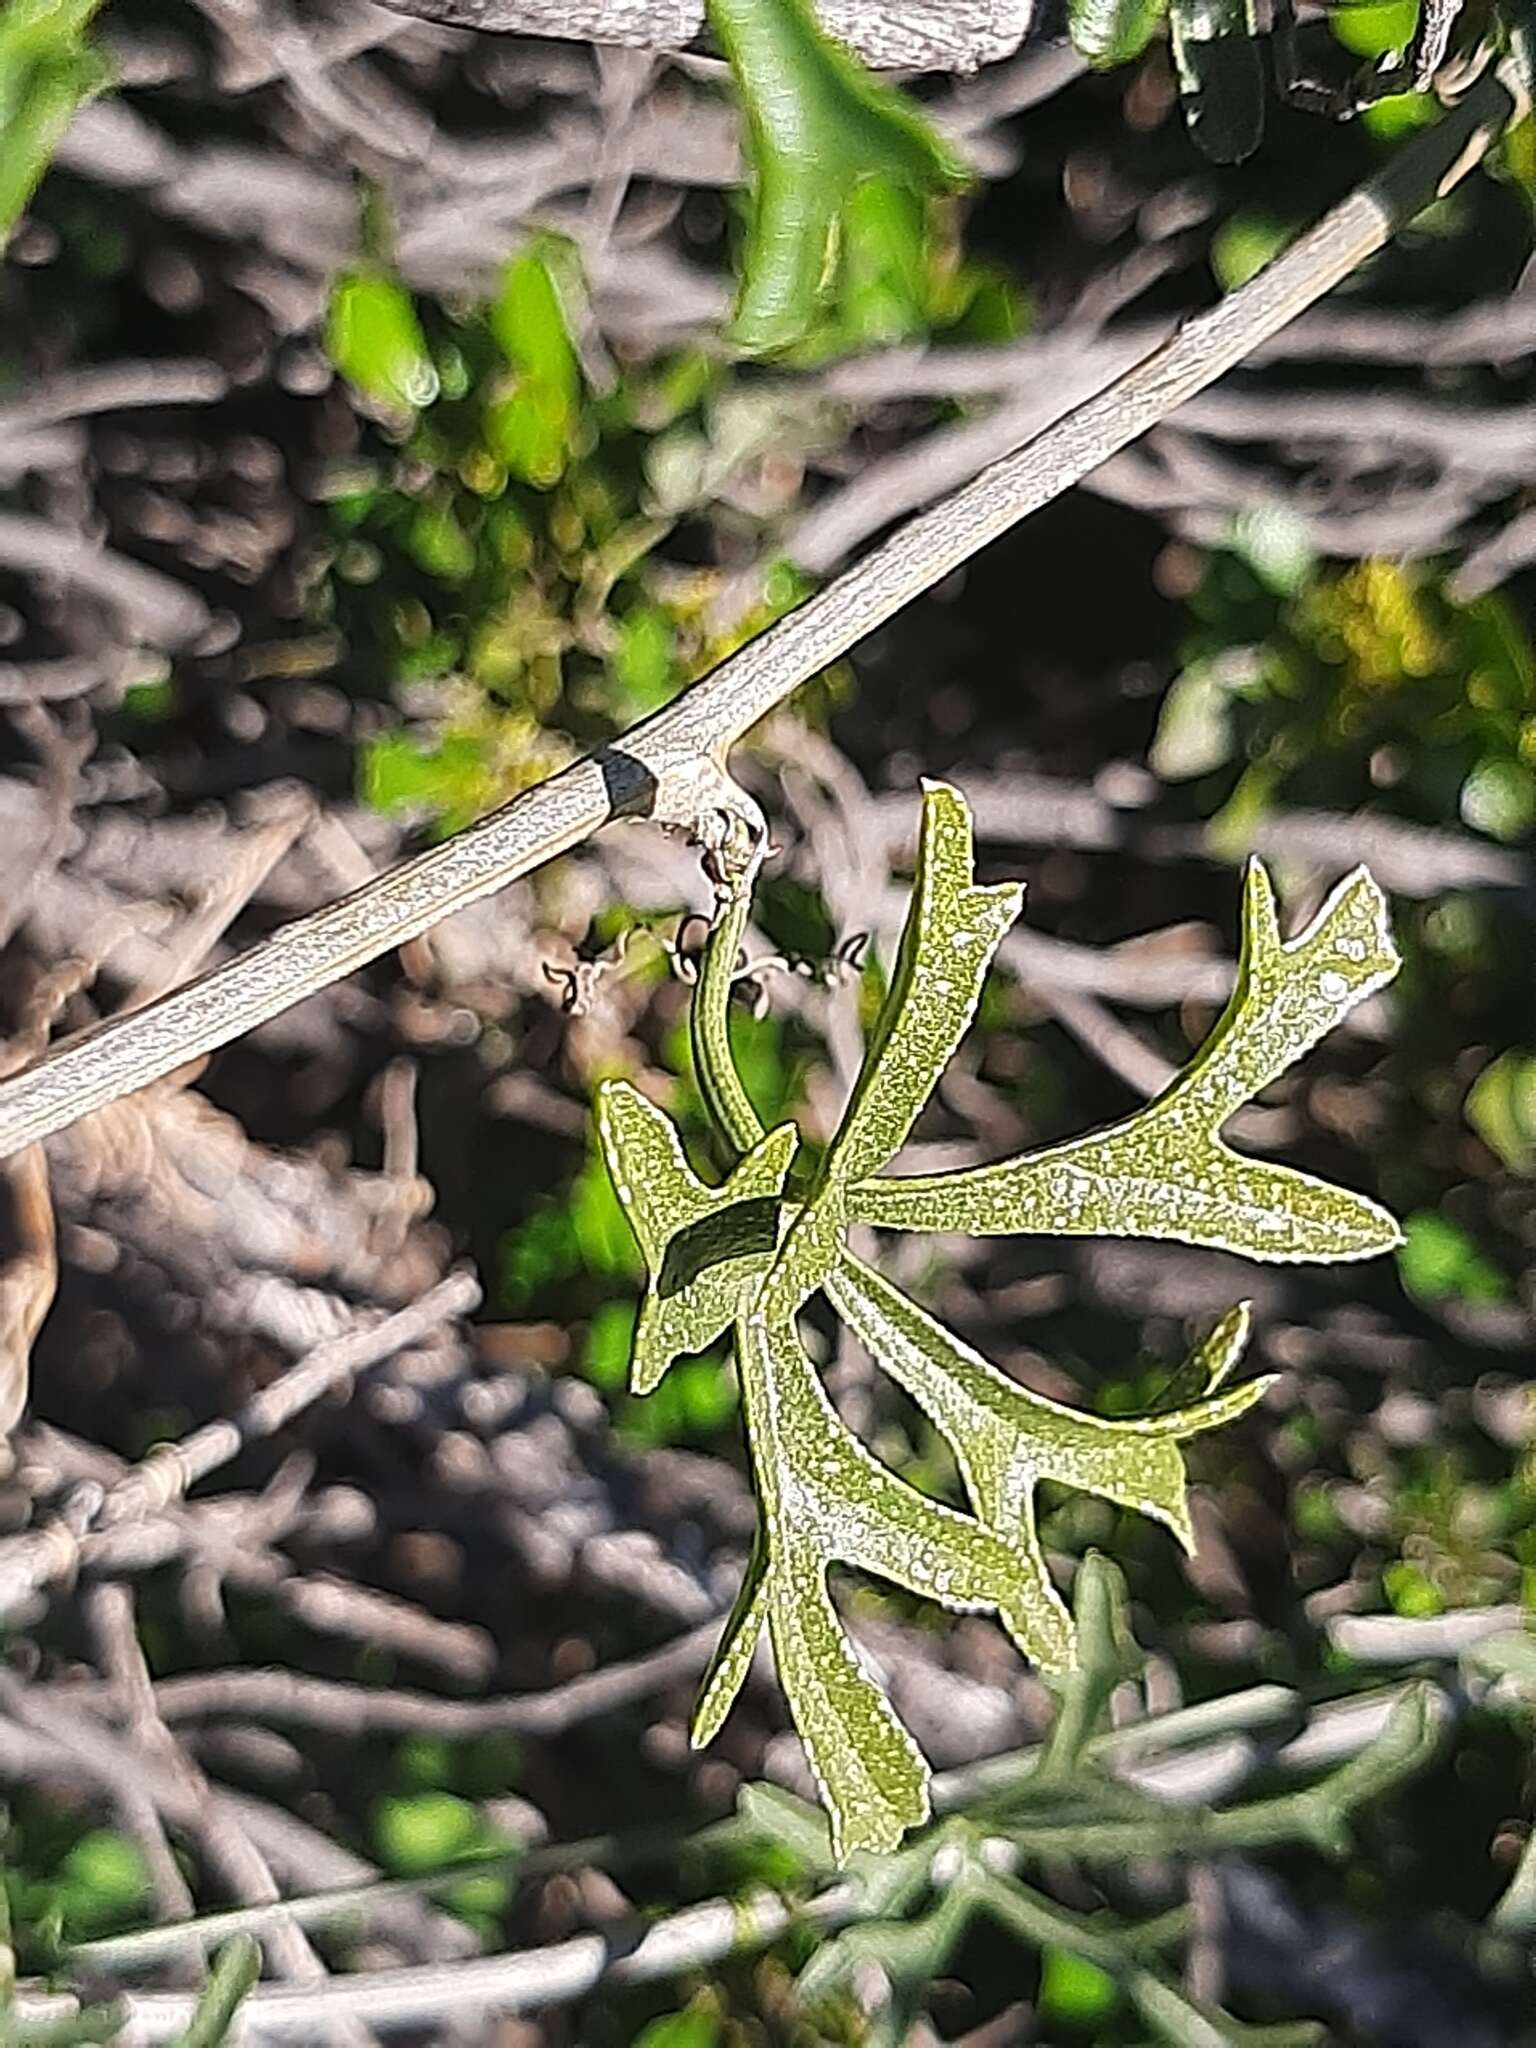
42	1556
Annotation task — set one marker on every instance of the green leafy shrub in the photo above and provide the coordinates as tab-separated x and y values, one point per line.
495	542
47	69
1317	685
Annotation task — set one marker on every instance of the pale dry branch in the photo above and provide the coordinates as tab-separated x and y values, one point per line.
38	1558
291	1697
112	387
164	612
401	2000
113	1622
672	768
929	35
1106	817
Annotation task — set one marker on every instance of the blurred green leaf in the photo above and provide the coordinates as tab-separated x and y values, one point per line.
691	2029
102	1882
1399	114
1411	1591
1499	798
1073	1991
819	128
1276	543
47	70
534	427
1242	246
1501	1108
437	542
375	340
610	1339
235	1971
1374	30
1437	1258
883	286
1195	725
1113	31
642	662
424	1831
400	773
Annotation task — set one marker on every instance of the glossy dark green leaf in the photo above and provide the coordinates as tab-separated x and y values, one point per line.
1220	65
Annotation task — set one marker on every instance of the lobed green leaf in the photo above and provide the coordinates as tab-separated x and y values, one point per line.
743	1256
1164	1171
1006	1439
824	1500
704	1248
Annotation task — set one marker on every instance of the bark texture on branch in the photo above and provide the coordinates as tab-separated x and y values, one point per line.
893	35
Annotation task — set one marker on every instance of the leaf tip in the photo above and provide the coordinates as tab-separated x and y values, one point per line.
1261	923
1226	1344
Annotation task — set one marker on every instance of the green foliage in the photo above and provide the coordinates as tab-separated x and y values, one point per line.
492	551
1438	1259
746	1255
423	1831
67	1884
47	70
235	1970
1316	684
1113	31
374	338
844	170
1501	1108
1376	27
692	2028
495	555
1243	244
534	422
1073	1991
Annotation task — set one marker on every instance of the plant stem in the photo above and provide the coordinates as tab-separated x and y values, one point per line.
234	1974
709	1022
